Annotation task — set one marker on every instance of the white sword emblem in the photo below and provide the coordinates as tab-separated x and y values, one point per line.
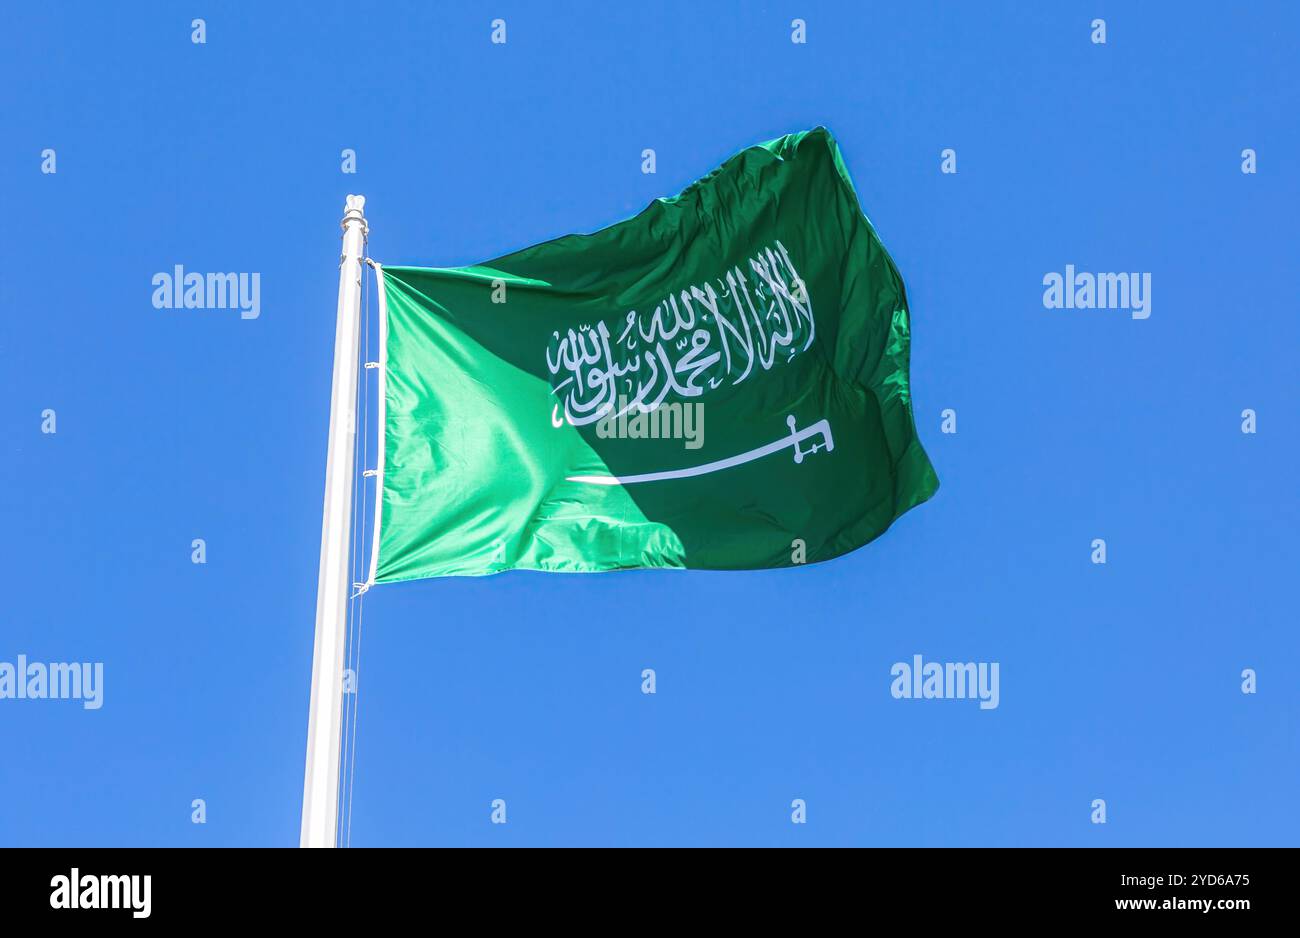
822	428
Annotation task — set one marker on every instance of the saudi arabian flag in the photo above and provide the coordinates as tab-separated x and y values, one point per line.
720	383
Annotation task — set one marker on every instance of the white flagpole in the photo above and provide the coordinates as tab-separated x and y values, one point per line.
320	793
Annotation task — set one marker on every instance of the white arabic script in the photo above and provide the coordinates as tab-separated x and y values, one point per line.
694	340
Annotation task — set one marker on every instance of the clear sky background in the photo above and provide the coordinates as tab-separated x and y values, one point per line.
1120	682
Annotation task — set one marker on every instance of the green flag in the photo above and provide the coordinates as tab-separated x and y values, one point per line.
720	382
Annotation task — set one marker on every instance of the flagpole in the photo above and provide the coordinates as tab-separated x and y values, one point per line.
320	794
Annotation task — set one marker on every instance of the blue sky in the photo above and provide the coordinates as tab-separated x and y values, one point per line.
1119	682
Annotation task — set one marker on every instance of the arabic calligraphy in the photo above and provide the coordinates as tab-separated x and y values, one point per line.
692	341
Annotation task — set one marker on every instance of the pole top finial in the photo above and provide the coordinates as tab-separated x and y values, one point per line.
355	213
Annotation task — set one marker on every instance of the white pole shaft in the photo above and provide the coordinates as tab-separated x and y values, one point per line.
320	794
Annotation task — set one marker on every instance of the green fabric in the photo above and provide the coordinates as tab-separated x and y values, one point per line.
760	297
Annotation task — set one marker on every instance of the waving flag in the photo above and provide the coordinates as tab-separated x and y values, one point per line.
720	382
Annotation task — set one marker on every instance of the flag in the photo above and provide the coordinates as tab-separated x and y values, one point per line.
720	382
